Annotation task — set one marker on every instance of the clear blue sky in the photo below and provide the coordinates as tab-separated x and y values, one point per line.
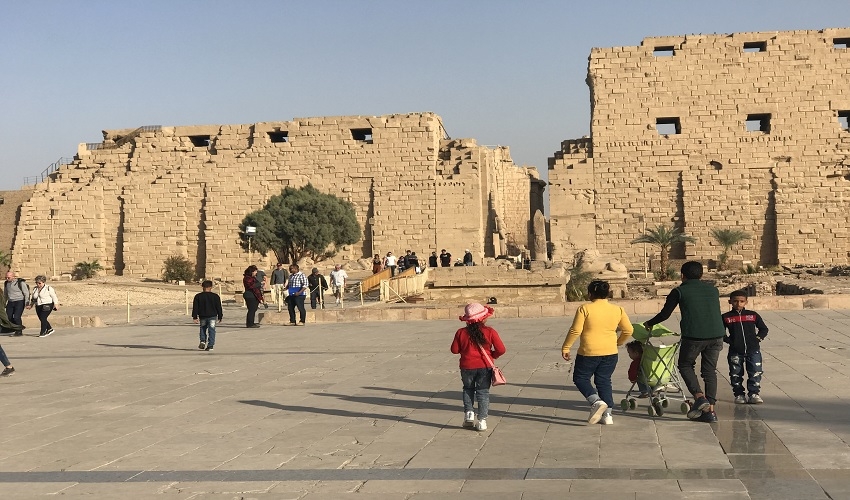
502	72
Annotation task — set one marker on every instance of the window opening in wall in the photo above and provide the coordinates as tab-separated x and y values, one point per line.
200	141
755	46
668	126
665	51
841	43
844	120
362	134
758	123
279	136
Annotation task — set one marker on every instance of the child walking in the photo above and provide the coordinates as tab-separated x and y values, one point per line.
746	331
475	371
206	308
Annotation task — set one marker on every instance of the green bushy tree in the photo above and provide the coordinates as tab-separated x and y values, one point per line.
178	268
727	238
301	223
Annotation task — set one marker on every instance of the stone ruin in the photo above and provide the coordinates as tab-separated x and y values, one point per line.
703	132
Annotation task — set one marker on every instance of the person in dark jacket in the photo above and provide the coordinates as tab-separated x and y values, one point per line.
318	284
432	260
253	296
746	331
702	335
206	309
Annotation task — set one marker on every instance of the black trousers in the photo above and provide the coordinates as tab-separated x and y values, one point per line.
253	304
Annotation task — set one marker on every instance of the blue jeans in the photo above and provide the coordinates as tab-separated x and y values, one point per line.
752	362
294	301
600	368
476	387
708	350
208	330
3	358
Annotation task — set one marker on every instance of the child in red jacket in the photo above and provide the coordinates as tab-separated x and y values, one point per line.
475	371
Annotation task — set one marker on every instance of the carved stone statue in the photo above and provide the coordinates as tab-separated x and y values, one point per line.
538	252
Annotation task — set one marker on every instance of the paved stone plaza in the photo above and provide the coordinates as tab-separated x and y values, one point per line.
372	410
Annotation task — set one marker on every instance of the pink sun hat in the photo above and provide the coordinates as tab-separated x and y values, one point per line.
476	312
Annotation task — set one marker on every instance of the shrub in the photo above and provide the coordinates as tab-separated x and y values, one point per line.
579	279
669	275
178	268
85	270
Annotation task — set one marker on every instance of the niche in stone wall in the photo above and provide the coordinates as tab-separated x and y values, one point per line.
279	136
200	141
844	120
668	126
760	46
362	134
841	43
758	123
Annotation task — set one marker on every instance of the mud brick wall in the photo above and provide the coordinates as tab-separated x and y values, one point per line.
144	195
710	132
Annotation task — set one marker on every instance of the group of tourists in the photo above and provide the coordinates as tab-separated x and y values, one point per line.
17	296
603	327
411	261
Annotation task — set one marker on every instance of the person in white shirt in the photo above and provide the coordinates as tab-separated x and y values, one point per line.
390	261
338	277
43	298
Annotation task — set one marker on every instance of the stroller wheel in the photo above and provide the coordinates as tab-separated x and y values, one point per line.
632	403
650	411
664	402
624	404
659	409
685	407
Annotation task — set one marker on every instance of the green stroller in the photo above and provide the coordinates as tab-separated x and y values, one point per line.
657	370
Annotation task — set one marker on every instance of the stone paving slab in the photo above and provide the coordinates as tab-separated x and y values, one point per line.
372	410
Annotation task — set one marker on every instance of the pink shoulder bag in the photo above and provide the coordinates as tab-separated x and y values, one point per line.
498	377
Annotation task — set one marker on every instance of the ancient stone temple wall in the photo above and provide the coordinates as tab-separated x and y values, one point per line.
710	132
144	195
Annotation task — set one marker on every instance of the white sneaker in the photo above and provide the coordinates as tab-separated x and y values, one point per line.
607	419
597	409
481	425
740	399
755	399
469	419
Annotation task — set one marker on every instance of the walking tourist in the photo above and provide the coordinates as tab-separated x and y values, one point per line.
391	262
297	287
338	278
445	259
318	284
279	277
206	309
17	293
596	324
43	298
253	296
472	342
702	333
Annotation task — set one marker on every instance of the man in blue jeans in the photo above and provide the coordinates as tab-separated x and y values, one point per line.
702	333
297	286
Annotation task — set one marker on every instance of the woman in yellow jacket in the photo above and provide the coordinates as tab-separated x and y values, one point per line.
597	324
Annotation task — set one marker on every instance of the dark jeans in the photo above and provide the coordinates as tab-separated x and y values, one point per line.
708	350
253	304
600	368
476	387
3	358
208	330
14	311
42	315
752	362
314	298
294	301
392	270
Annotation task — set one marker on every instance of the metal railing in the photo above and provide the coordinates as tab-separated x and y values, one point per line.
45	174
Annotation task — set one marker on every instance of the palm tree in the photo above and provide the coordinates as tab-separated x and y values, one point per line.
664	237
727	238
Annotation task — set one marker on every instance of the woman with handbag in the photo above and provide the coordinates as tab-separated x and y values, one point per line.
43	298
597	324
478	345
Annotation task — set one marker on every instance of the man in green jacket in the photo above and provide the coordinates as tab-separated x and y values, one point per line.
702	335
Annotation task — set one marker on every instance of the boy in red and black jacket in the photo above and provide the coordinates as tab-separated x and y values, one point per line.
746	331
